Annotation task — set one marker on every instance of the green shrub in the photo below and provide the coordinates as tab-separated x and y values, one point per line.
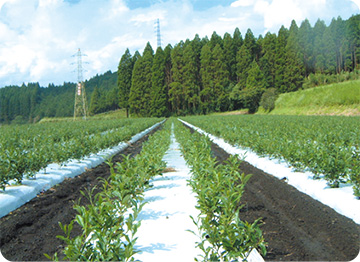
268	99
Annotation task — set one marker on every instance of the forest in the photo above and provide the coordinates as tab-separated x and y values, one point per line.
203	75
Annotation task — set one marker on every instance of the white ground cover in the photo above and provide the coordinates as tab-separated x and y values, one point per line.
15	196
340	199
165	219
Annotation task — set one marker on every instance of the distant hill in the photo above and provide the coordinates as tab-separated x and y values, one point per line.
30	103
334	99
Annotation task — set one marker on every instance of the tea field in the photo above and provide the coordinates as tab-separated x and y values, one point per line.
127	203
328	146
26	149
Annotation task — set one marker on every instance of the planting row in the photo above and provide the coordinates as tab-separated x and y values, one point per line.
109	223
329	147
223	236
24	150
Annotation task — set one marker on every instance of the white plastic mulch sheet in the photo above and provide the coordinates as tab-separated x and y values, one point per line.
165	219
15	196
340	199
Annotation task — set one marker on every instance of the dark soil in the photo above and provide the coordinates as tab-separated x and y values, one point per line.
30	231
295	226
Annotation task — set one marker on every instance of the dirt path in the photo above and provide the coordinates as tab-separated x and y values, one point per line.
30	231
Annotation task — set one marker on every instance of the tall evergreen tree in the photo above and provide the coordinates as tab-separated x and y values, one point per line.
243	58
206	72
237	39
353	36
125	69
168	77
220	80
111	99
95	102
176	92
294	71
319	46
139	98
230	56
280	64
255	86
250	44
215	40
158	90
306	46
330	51
268	58
191	84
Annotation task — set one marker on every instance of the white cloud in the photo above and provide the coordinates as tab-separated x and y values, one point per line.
357	3
242	3
282	12
39	37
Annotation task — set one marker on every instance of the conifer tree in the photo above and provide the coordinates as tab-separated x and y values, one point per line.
319	46
158	90
191	85
255	86
243	58
294	71
168	77
215	40
139	98
220	80
268	60
237	39
330	53
125	69
306	44
353	36
112	101
250	44
206	72
280	65
230	56
95	102
176	92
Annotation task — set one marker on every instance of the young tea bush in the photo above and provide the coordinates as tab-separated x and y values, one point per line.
328	146
109	223
223	235
27	149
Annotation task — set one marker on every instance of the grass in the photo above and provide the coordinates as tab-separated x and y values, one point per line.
121	113
335	99
236	112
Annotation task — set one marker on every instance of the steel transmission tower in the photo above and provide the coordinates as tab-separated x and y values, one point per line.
80	107
158	33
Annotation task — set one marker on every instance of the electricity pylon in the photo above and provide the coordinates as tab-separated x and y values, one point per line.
80	107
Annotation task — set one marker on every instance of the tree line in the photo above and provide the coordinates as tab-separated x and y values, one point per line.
202	75
30	102
205	75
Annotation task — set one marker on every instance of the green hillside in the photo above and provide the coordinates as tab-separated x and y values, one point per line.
335	99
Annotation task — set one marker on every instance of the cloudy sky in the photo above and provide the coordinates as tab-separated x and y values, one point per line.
38	38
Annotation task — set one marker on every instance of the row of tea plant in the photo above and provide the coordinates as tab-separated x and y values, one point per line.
328	146
26	149
219	188
109	223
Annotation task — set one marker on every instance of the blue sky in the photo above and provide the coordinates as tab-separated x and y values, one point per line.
39	37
